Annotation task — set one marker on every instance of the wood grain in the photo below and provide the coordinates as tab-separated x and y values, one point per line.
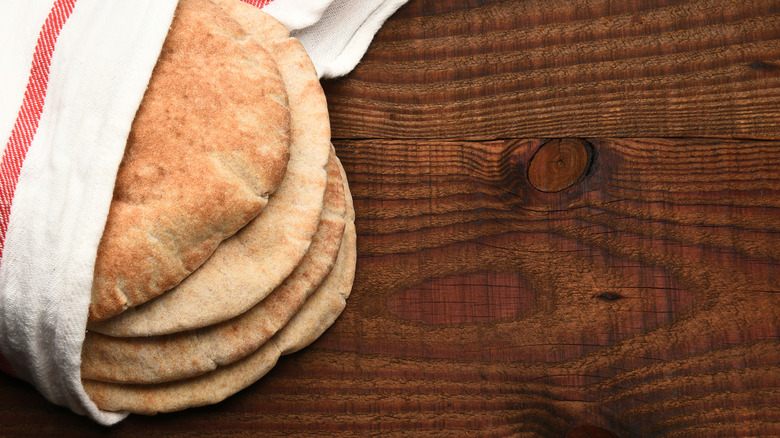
546	68
643	299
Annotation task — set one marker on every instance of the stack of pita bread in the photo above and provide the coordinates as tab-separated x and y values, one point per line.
230	239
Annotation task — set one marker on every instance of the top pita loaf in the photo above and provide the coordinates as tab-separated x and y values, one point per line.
208	145
244	269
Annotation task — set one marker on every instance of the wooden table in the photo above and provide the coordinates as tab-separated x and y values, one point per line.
568	214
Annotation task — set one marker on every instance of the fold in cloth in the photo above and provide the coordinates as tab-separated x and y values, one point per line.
91	62
338	40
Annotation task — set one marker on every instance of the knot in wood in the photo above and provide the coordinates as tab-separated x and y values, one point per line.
558	164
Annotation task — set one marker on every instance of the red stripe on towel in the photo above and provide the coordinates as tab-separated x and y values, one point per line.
258	3
32	106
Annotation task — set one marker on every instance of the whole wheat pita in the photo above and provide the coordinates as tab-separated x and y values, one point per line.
245	268
326	304
209	143
182	355
322	308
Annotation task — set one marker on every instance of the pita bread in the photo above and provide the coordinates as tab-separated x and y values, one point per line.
326	304
244	269
321	308
187	354
159	229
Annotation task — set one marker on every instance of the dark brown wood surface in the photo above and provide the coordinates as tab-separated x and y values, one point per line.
463	69
568	214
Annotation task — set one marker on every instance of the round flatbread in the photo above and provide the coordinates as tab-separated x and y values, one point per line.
245	268
326	304
209	143
320	310
182	355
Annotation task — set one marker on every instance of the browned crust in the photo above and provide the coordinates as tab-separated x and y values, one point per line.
244	269
208	145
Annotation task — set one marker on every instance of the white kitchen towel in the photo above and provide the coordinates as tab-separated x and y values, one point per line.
295	14
335	33
91	61
338	40
72	75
